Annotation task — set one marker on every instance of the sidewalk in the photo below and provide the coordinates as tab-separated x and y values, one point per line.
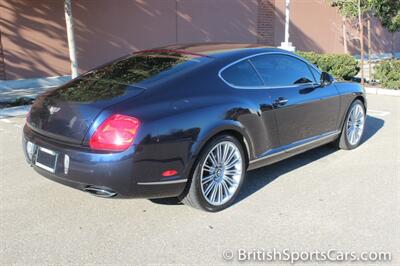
10	95
29	88
380	91
14	111
12	90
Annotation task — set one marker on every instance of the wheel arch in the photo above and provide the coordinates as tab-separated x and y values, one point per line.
362	99
236	131
240	137
358	97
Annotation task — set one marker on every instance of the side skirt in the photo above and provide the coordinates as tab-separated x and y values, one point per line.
284	152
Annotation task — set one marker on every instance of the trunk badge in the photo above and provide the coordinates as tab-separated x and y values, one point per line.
53	109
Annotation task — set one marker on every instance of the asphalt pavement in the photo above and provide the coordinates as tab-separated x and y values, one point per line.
322	200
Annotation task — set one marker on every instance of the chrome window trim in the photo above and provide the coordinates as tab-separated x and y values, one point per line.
265	87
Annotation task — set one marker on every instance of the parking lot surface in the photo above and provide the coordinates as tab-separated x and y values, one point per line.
320	200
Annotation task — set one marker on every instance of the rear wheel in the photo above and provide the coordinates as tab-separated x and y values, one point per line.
353	127
218	175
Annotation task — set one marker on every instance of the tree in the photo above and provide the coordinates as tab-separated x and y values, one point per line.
353	10
388	13
350	8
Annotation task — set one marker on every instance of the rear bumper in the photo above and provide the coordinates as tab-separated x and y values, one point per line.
127	174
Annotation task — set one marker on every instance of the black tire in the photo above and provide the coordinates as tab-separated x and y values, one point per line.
194	196
343	141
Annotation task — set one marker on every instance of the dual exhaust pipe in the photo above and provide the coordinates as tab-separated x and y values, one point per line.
100	192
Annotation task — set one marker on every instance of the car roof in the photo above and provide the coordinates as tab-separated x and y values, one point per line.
221	49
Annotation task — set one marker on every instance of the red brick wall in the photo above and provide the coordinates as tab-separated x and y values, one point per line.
135	25
34	38
2	65
316	26
265	22
35	41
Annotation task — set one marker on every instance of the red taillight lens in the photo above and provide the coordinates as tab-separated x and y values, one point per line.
116	133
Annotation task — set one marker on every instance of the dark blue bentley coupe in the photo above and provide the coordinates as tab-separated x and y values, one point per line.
187	121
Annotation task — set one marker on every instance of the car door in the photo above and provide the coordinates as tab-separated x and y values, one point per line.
258	118
303	108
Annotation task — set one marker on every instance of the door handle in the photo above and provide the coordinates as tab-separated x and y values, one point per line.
281	101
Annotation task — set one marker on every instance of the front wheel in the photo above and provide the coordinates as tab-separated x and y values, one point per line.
218	175
353	127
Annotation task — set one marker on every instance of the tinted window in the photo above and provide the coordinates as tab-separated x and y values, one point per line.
144	66
282	70
111	80
242	74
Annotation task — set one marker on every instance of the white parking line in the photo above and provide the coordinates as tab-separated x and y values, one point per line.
378	112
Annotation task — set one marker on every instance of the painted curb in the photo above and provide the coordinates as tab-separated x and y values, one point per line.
379	91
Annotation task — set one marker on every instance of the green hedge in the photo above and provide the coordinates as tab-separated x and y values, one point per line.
341	66
387	72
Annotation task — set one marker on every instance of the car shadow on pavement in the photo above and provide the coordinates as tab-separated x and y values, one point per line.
259	178
372	125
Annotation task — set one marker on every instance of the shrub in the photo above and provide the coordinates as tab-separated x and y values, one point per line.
310	57
341	66
388	74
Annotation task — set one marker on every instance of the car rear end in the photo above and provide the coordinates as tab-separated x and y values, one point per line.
74	137
102	174
55	141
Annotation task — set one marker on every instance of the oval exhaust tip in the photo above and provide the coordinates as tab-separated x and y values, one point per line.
100	192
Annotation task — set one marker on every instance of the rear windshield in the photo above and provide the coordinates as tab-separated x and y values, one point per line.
112	80
143	67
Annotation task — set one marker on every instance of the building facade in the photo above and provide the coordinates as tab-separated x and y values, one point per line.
33	41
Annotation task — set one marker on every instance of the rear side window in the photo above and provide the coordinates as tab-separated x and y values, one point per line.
282	70
242	74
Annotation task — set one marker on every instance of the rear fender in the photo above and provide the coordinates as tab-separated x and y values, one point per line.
224	126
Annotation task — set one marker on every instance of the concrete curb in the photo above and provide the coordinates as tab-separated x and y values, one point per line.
34	83
14	111
11	90
379	91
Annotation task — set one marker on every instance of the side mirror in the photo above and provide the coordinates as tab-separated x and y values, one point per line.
326	79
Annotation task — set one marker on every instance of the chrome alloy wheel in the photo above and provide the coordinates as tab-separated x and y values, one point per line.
355	124
221	173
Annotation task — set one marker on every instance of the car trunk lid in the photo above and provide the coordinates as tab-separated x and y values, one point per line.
67	112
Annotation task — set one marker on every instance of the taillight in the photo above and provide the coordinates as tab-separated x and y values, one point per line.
116	133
